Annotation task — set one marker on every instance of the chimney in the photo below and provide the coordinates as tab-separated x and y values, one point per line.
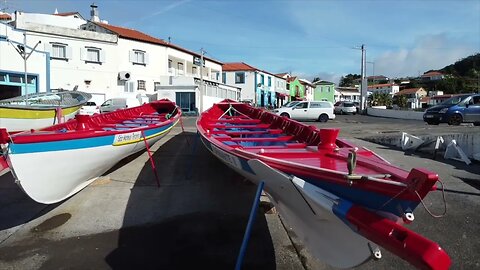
94	13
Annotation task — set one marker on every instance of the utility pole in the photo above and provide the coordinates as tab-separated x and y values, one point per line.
363	87
201	80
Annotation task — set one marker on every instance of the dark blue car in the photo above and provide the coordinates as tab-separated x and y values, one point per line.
455	110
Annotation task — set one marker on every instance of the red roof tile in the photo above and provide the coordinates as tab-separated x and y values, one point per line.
139	36
292	78
432	73
5	17
381	85
408	91
132	34
238	66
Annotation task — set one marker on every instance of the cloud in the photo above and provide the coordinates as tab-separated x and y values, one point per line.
429	52
164	9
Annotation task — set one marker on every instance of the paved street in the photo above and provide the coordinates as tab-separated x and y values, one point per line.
361	126
198	215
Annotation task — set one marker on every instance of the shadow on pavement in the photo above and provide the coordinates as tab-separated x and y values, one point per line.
16	208
196	219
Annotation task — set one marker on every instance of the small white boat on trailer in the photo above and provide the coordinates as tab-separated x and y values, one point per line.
40	110
53	163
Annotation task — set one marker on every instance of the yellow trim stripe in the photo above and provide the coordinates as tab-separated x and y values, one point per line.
148	137
34	113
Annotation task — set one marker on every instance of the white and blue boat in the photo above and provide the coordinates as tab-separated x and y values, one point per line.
53	163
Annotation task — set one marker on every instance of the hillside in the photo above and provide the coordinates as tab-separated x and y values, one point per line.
461	77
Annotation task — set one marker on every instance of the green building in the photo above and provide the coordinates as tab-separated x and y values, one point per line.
324	90
295	88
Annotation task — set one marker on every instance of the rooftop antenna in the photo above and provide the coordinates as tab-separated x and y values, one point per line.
94	13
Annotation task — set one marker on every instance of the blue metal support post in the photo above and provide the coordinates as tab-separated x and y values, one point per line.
248	230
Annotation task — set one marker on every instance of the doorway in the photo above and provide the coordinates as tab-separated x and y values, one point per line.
186	101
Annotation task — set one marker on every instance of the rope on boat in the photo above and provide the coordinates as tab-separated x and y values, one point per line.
169	115
229	111
444	202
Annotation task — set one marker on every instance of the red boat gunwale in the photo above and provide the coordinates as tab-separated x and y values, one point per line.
308	139
93	126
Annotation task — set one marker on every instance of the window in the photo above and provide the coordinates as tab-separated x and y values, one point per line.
194	70
59	51
169	63
156	86
269	81
16	78
31	79
3	77
180	68
141	85
224	78
262	79
138	57
93	55
319	105
239	77
301	105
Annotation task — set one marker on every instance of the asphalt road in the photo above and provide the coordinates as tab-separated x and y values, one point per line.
198	215
362	126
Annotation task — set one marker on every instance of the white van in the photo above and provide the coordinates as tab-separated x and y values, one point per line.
308	110
114	104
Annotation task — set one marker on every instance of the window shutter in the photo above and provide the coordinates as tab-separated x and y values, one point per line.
132	56
83	54
68	52
146	59
102	56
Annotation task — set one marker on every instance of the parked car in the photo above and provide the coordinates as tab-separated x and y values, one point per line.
89	108
114	104
308	110
455	110
343	107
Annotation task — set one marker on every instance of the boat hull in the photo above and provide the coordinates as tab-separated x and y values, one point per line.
70	170
338	198
16	119
321	231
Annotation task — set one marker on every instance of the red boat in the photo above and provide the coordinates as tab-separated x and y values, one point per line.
342	200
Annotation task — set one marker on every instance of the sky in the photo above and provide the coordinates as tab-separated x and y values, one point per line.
316	38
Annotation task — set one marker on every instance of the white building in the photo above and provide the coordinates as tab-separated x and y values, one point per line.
105	60
347	94
309	89
385	88
259	87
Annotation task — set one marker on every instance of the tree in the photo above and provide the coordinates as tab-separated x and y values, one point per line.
380	99
349	80
401	101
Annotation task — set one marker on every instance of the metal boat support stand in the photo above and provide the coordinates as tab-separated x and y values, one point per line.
248	230
151	159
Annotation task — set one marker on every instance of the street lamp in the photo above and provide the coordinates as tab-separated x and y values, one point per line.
373	75
22	50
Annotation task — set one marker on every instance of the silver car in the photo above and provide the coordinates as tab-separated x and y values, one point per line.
344	107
